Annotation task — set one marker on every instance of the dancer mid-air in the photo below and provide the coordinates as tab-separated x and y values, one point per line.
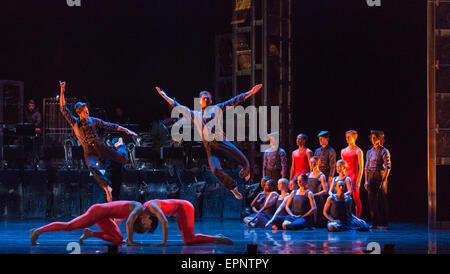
217	146
85	128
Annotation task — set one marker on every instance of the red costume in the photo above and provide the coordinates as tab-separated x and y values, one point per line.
351	157
184	211
100	214
300	162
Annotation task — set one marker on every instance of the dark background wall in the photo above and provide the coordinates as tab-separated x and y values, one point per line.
355	67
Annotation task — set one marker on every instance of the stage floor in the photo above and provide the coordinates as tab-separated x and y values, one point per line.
406	237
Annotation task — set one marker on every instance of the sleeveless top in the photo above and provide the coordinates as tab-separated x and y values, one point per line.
336	179
116	209
300	203
271	210
351	157
278	203
314	184
339	209
301	162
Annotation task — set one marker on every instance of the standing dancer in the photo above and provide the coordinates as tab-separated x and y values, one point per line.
275	161
216	147
354	157
85	128
184	211
300	157
102	215
327	155
318	185
377	169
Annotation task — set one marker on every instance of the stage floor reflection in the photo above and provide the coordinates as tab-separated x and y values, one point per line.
400	238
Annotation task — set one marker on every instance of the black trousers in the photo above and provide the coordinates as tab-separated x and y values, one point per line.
274	174
92	155
217	149
378	200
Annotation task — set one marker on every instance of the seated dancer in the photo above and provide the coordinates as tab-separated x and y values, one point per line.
318	185
275	160
102	215
293	185
216	143
354	157
184	211
85	128
303	206
341	168
300	157
277	219
339	207
267	209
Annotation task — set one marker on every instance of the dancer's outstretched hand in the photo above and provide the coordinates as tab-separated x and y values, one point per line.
130	132
62	84
134	244
162	93
255	89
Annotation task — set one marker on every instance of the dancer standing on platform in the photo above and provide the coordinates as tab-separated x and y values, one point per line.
217	146
377	169
318	185
300	157
184	211
102	215
85	128
338	211
341	168
327	155
275	160
354	157
277	219
300	206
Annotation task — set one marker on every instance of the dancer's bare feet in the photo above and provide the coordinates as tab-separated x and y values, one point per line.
108	191
87	233
236	193
220	239
34	234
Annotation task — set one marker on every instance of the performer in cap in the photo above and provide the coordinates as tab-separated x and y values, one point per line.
327	155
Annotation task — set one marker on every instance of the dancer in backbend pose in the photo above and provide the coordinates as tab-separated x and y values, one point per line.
318	185
268	208
341	168
218	144
354	157
378	166
300	157
277	219
338	211
102	215
85	128
184	211
300	206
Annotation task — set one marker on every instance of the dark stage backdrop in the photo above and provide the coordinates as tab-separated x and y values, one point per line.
355	67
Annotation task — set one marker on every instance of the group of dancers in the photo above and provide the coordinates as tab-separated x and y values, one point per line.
317	198
292	211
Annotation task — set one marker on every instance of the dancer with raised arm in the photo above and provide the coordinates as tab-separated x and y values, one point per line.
85	128
218	144
102	215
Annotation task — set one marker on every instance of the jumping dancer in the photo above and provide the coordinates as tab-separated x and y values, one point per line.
338	211
377	169
102	215
300	157
216	146
318	185
184	211
354	157
85	128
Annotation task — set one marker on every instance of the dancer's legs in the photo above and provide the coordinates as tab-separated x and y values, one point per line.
185	219
355	195
91	160
110	231
89	218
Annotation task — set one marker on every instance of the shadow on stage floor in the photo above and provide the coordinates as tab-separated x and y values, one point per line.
411	238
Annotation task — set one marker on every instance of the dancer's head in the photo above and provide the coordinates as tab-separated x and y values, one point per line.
263	181
82	110
302	181
274	139
377	137
270	186
324	138
145	222
314	163
205	98
351	136
301	139
293	184
341	166
339	187
283	184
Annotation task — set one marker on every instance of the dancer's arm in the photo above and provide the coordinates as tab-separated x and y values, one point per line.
113	126
323	181
288	203
330	191
387	166
137	211
366	166
254	203
283	204
312	203
292	167
239	98
155	209
361	168
325	210
182	109
332	161
62	105
348	183
268	203
284	165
